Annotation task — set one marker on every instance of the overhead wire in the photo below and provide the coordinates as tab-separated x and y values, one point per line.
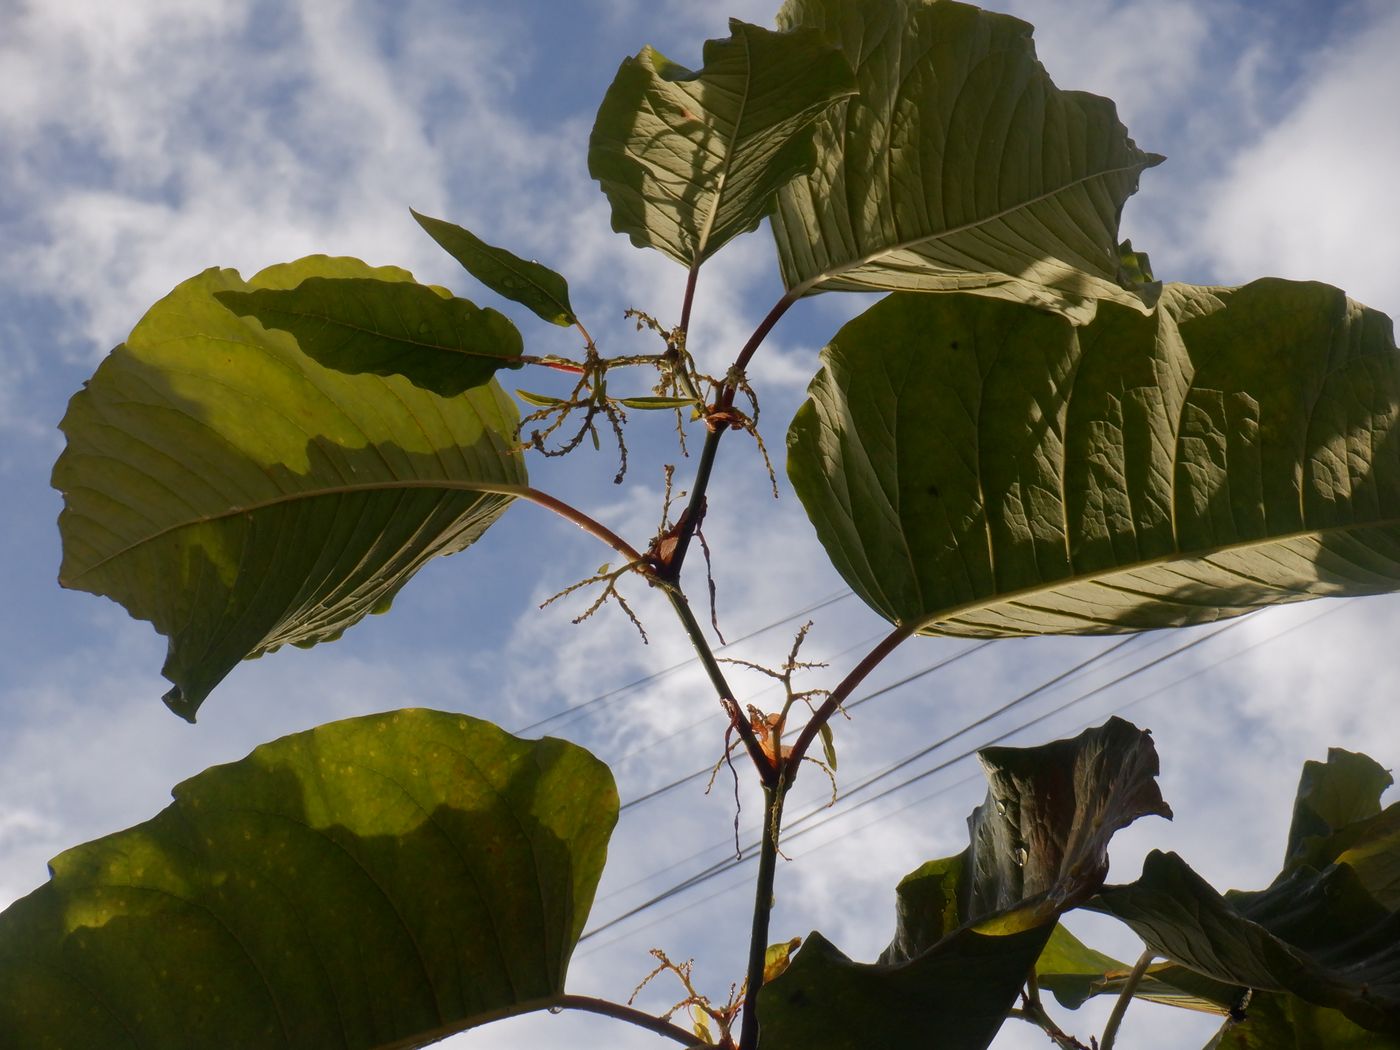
944	789
1102	655
747	853
883	691
612	694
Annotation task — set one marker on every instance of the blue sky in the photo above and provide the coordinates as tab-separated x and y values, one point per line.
144	141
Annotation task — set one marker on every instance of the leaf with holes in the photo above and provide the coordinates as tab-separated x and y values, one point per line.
223	485
688	159
975	468
959	166
378	882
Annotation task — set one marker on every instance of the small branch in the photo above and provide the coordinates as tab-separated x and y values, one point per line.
887	645
759	334
1034	1013
695	509
702	649
1110	1031
762	910
689	299
569	513
586	1003
629	1014
724	400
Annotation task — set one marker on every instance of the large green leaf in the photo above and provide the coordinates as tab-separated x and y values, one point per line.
386	328
1285	1022
1317	935
522	281
970	928
1075	973
377	882
1338	819
980	469
221	484
958	166
690	160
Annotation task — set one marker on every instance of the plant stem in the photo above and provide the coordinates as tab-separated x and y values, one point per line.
847	685
707	658
694	509
631	1015
1110	1031
586	1003
759	334
689	299
762	910
725	399
570	513
1034	1013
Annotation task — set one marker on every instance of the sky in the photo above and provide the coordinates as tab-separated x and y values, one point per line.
142	142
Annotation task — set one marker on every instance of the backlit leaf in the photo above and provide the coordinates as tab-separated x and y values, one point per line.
223	485
519	280
975	468
969	928
386	328
958	166
378	882
690	160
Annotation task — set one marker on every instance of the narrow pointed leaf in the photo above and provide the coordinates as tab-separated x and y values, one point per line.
958	166
970	928
381	881
519	280
362	325
976	468
223	485
690	160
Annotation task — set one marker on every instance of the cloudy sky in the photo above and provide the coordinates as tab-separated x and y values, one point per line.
141	142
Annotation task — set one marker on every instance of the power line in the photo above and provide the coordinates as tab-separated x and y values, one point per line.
735	862
665	788
732	862
614	763
574	709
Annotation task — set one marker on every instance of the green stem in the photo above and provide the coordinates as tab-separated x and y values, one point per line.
762	910
706	656
1110	1031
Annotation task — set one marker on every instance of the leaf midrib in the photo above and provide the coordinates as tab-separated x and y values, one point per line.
336	322
703	234
806	286
485	487
1007	597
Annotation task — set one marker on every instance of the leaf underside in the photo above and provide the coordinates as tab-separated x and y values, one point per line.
519	280
970	927
363	325
221	484
958	166
1320	947
976	469
689	160
381	881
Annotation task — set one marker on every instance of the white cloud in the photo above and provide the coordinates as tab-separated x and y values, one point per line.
1314	197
